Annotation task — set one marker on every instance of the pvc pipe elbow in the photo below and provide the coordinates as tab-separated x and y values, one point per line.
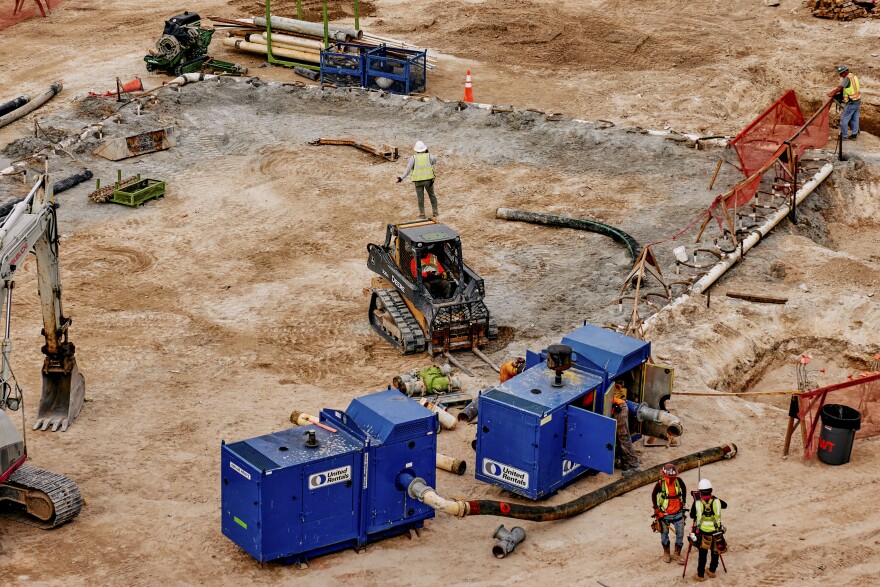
507	540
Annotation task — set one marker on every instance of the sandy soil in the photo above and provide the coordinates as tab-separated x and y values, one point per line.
212	313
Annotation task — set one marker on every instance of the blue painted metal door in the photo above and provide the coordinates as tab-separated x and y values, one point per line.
590	439
329	501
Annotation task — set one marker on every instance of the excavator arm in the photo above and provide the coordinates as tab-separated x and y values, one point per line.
31	226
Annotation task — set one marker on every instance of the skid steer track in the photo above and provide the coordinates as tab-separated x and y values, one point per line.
44	488
409	337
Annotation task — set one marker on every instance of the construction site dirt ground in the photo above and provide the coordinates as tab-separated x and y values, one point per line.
240	296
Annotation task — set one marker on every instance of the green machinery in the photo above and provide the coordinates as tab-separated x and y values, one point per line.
183	48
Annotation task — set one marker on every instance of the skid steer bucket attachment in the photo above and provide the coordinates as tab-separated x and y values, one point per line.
63	395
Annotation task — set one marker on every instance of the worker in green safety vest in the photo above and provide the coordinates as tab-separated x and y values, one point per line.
421	165
706	513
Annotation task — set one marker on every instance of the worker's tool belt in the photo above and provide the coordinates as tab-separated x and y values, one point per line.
706	540
671	519
655	524
719	544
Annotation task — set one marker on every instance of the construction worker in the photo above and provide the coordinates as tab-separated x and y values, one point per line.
512	368
433	275
629	462
669	498
706	513
852	100
422	167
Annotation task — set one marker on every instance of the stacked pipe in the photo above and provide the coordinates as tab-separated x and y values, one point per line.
300	40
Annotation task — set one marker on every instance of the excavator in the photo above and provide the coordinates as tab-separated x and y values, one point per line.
27	493
426	298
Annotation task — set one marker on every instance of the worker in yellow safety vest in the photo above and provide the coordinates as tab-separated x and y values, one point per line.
421	165
851	93
706	513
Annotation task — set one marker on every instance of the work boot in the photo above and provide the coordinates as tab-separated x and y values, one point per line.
710	574
677	555
666	556
699	578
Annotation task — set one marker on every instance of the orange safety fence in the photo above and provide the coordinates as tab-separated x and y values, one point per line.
861	392
29	8
764	143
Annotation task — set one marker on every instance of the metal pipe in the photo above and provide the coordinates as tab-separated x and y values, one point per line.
750	241
32	105
577	223
276	51
451	464
8	107
508	539
418	489
469	412
670	422
313	29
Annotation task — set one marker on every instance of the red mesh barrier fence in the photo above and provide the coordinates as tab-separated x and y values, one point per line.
862	394
757	143
29	9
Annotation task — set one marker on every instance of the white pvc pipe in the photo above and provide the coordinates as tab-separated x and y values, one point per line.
32	105
276	51
288	40
186	78
750	241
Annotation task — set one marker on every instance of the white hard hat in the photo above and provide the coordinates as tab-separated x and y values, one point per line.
705	484
421	147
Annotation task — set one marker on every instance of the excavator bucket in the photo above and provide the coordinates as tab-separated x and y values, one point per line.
63	395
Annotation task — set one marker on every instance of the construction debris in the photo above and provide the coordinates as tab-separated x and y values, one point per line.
384	151
140	144
757	299
139	192
105	194
843	9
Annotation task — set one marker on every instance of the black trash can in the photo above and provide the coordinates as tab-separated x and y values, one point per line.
839	425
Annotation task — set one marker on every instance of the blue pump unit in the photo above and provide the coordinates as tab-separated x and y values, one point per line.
534	438
283	499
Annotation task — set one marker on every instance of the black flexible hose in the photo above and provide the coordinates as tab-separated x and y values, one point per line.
544	513
69	182
8	107
623	238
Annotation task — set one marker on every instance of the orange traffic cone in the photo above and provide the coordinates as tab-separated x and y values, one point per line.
468	88
134	85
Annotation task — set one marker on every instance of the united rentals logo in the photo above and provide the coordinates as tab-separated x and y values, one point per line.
330	477
568	467
506	473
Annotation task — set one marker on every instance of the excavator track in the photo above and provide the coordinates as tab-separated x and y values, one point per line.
404	332
49	499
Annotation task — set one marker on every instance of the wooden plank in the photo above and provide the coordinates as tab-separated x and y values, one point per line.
757	299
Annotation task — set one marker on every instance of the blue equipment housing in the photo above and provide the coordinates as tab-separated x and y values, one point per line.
534	438
282	499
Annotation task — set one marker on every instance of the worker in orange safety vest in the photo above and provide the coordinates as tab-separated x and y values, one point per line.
512	368
669	499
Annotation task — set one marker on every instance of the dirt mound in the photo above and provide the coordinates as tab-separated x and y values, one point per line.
312	9
525	32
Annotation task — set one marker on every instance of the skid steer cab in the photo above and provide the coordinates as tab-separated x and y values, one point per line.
426	297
